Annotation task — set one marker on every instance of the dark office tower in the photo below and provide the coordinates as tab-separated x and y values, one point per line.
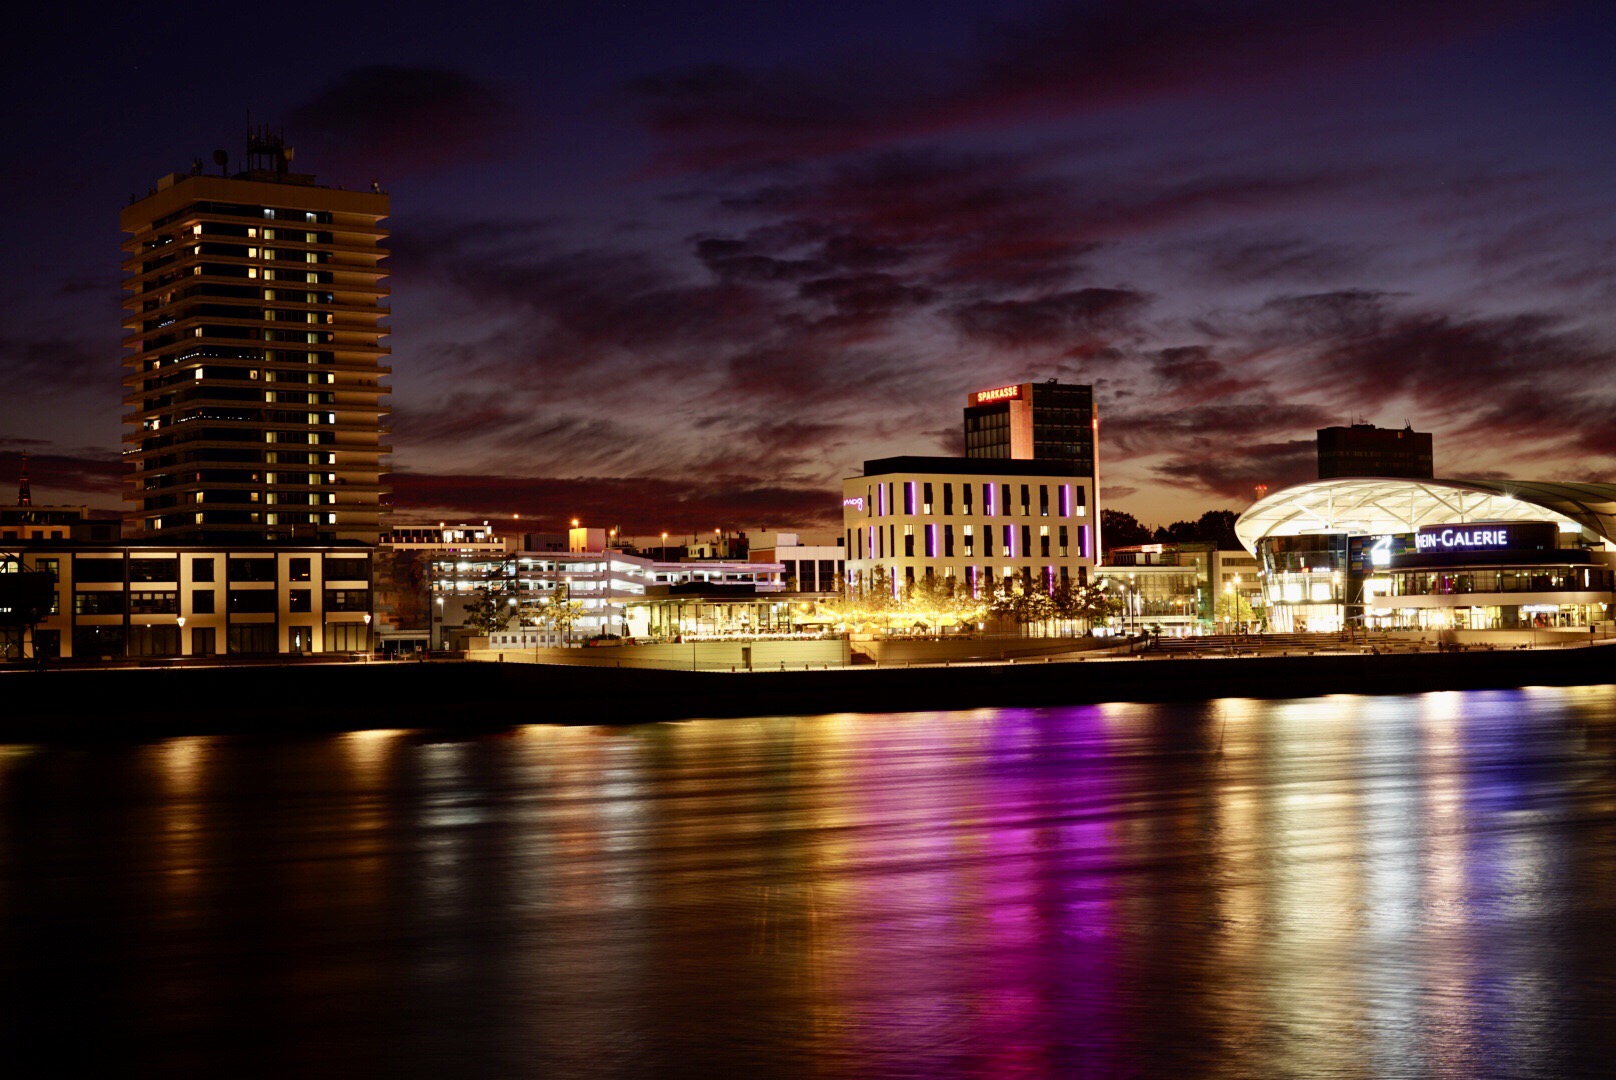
1046	421
254	381
1366	450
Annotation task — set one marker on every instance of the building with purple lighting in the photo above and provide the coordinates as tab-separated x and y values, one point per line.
977	520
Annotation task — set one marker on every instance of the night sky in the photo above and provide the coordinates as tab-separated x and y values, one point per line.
681	266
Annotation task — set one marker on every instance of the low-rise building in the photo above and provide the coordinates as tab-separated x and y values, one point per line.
618	594
806	568
1183	587
123	599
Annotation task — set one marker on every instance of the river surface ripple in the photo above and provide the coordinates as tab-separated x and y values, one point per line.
1344	886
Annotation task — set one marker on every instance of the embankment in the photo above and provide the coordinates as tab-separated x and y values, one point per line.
455	696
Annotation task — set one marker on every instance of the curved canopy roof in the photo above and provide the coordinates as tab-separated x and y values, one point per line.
1373	505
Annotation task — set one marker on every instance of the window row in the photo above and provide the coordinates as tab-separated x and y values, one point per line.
968	541
203	602
997	500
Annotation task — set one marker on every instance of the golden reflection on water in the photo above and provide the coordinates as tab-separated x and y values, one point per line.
1342	886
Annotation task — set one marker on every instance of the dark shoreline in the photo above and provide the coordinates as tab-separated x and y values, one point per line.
117	704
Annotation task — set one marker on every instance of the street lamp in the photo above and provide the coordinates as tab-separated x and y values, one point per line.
181	621
368	646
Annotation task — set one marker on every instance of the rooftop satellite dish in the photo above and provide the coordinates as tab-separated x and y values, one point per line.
220	158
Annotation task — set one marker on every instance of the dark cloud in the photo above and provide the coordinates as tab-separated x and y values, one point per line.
736	260
865	294
395	119
78	474
636	505
1071	60
1348	314
1242	259
54	364
1191	371
1064	318
962	220
1235	473
1537	377
582	319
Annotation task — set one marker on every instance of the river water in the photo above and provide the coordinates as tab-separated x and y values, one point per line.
1341	886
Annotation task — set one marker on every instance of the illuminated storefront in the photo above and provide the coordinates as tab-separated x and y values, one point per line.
1434	554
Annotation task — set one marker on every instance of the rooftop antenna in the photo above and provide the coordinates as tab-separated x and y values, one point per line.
25	496
267	151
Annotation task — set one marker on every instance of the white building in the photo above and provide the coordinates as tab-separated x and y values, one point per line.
978	520
1435	554
805	568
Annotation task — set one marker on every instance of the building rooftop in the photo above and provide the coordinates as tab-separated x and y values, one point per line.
1371	506
971	466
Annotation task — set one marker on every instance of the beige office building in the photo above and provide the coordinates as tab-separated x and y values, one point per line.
254	394
116	600
976	519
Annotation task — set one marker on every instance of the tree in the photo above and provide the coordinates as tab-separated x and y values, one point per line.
1084	603
487	613
1218	527
1214	526
1124	530
561	611
1024	604
1118	529
1095	605
1033	605
411	593
25	601
1234	607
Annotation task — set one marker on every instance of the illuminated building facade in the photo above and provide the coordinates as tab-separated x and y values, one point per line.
116	600
1435	555
254	374
1175	587
977	520
619	594
806	568
404	608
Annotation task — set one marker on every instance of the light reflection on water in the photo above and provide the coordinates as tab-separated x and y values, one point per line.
1339	886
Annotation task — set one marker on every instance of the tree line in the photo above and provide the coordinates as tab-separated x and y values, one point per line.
929	603
1118	530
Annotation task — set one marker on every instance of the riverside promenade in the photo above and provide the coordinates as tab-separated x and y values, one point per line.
67	704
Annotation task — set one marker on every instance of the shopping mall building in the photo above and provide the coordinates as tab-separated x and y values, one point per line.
1388	553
